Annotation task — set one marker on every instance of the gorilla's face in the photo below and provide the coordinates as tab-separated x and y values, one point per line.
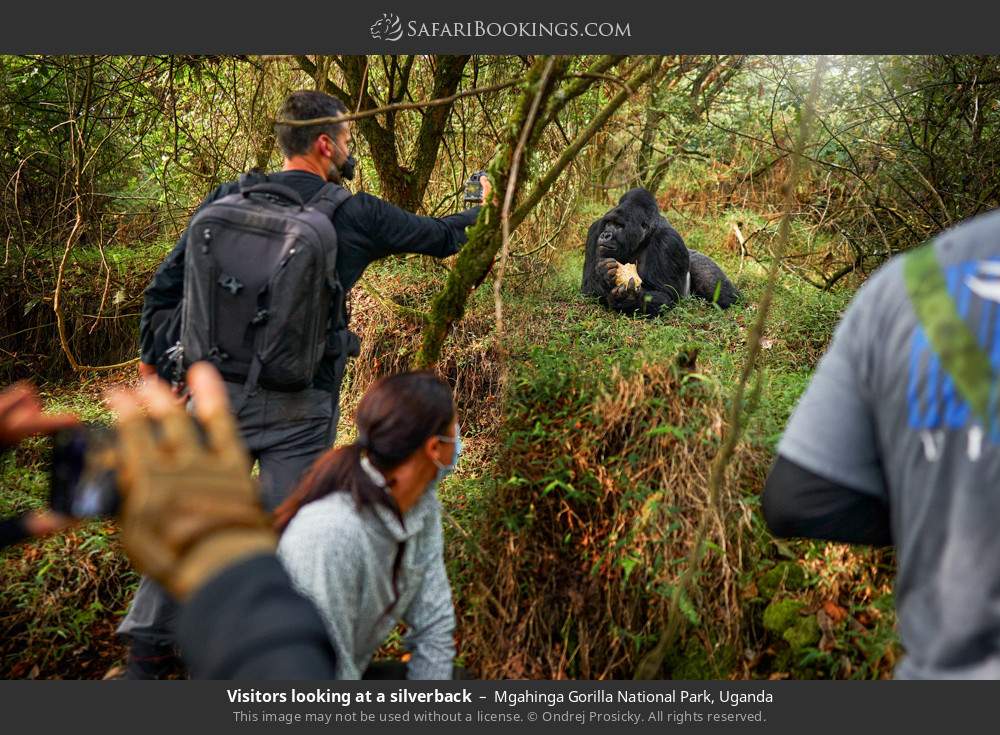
623	233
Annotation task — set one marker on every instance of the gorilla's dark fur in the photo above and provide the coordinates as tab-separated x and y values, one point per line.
636	232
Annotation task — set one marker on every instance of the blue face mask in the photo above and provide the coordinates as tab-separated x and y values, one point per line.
446	469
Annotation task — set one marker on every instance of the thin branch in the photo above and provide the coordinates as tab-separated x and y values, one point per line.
609	77
396	107
571	151
508	199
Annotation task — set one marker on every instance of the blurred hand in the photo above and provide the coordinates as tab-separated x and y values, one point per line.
190	508
21	415
146	370
44	522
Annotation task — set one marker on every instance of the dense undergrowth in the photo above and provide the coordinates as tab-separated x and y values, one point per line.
589	437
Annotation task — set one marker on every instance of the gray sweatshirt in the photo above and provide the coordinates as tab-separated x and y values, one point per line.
341	558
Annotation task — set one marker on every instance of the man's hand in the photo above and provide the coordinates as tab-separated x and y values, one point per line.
21	416
190	507
488	191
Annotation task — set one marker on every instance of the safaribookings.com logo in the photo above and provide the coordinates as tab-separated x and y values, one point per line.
387	28
390	28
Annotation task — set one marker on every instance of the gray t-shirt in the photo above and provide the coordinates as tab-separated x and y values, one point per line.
881	416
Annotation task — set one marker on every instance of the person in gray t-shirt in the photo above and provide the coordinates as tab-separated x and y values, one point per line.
885	448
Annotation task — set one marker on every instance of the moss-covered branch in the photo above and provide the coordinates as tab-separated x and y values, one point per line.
474	260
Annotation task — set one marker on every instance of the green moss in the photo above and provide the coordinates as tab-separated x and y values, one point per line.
781	615
803	634
786	573
693	662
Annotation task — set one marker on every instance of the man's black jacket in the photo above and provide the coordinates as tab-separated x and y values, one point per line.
248	622
367	229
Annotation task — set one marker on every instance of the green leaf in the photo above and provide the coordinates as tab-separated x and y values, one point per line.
667	429
628	563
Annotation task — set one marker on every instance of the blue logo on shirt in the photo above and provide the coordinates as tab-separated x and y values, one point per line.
933	401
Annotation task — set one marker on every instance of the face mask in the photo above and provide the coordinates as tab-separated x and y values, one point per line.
346	169
446	469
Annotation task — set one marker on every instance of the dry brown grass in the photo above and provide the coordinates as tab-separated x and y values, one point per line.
577	587
472	362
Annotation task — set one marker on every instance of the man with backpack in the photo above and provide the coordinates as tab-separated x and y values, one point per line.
257	286
897	441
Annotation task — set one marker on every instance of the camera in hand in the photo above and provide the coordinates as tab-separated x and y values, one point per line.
474	190
83	476
84	471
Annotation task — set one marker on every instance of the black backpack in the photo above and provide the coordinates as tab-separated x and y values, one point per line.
262	298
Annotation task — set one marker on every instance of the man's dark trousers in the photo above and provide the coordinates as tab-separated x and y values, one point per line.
285	433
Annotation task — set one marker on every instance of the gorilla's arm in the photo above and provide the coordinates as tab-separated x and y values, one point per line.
663	268
710	283
592	283
642	300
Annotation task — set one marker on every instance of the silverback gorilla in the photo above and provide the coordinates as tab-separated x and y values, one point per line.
636	232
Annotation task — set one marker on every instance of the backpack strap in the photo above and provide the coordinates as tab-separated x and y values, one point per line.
329	198
948	333
251	178
256	182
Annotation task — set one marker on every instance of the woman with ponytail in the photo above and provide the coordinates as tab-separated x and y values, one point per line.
361	536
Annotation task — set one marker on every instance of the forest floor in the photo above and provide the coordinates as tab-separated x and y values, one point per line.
588	440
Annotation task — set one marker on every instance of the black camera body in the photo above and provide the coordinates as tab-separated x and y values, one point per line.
84	481
83	476
473	190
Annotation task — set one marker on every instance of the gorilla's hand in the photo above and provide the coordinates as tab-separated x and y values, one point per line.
627	297
606	272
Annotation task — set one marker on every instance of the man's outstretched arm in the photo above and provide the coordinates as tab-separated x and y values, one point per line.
391	230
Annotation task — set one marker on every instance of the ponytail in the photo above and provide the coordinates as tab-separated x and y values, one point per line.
394	418
337	470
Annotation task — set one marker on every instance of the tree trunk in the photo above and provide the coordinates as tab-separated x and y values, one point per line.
402	185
